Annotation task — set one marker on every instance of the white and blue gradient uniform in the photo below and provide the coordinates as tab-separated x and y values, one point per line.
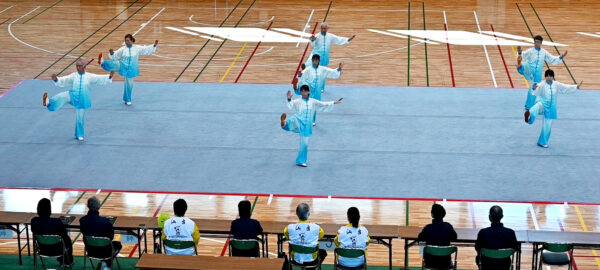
315	78
547	96
125	62
301	121
78	95
354	238
322	46
534	59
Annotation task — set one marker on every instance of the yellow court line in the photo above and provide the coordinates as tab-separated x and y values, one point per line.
586	230
232	63
515	53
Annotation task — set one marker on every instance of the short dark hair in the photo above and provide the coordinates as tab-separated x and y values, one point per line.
438	211
179	207
538	37
130	36
353	216
244	209
44	208
304	87
496	213
316	56
94	204
303	211
549	72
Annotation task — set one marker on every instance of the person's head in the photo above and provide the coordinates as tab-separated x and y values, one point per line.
537	40
179	207
93	204
80	65
303	211
44	208
305	91
316	59
353	216
496	214
438	211
549	74
129	40
324	28
244	209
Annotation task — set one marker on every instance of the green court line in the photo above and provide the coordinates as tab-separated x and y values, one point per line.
408	62
42	11
426	61
65	54
103	201
123	22
253	205
327	13
526	24
547	33
206	43
223	43
78	199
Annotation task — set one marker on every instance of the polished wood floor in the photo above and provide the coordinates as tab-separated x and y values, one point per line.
44	37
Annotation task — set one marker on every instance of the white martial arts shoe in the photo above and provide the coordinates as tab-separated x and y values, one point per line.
80	138
128	103
45	99
314	124
543	146
302	164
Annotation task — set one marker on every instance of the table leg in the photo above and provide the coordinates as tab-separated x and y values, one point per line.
406	246
390	253
19	245
27	235
139	237
145	241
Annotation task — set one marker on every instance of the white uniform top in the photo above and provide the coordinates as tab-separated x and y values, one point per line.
547	93
179	229
535	58
350	237
304	234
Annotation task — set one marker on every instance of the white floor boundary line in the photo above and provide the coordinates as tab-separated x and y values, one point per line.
148	22
588	34
307	25
487	56
214	25
6	9
536	225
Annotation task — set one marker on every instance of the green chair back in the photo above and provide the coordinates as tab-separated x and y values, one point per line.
243	244
440	250
93	241
349	252
303	250
558	247
48	240
497	253
179	244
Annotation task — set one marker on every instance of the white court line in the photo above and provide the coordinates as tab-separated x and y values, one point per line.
20	41
6	9
486	52
401	36
536	225
270	199
588	34
306	26
445	21
148	22
214	25
193	33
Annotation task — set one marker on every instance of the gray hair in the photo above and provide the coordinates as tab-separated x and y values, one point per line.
80	60
303	211
93	204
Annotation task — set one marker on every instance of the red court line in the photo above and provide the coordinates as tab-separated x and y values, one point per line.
501	55
253	52
155	214
299	196
304	54
449	55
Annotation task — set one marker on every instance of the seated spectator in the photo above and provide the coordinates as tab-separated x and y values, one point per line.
305	233
245	228
352	236
180	228
438	233
94	225
43	224
495	237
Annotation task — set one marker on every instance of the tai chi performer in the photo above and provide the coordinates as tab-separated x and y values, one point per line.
535	58
78	95
300	123
546	93
125	61
314	76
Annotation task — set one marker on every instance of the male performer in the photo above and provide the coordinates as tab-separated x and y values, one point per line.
314	76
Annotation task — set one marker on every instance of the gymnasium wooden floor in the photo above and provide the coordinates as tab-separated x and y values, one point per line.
44	37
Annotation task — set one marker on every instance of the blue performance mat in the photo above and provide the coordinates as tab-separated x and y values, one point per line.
384	142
